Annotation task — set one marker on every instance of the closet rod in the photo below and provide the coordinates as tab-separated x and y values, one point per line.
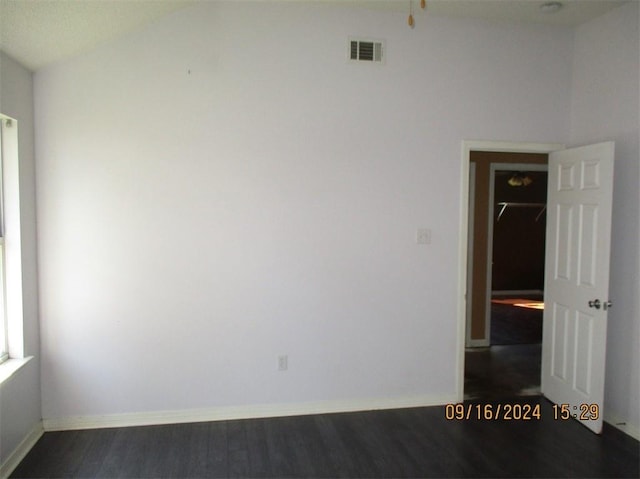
505	204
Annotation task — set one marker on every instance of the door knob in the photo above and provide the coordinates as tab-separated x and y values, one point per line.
594	304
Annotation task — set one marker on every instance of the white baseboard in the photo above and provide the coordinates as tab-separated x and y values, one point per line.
623	426
19	453
240	412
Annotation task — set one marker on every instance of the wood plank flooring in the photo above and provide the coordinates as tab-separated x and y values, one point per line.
417	442
502	371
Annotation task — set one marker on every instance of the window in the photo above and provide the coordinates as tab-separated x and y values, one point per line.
11	312
4	344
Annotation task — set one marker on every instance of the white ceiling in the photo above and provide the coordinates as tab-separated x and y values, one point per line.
40	32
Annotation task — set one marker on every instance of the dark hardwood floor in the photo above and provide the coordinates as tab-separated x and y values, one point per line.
511	365
418	442
513	325
502	371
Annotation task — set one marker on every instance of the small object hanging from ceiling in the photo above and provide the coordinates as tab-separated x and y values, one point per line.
410	19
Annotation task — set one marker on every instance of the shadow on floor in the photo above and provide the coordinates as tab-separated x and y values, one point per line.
502	371
511	365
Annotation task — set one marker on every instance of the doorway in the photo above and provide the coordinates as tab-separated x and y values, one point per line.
475	281
507	363
577	255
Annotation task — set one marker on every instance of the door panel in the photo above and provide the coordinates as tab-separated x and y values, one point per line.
577	279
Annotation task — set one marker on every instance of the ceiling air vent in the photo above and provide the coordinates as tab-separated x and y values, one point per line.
366	50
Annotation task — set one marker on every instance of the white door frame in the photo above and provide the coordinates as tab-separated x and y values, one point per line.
467	147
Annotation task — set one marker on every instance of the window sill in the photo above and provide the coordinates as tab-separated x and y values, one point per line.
10	367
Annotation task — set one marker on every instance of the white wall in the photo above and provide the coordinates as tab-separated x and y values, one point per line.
605	106
224	187
20	410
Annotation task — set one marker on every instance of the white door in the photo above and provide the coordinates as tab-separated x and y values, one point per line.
577	281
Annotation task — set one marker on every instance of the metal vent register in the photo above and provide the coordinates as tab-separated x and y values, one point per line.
366	51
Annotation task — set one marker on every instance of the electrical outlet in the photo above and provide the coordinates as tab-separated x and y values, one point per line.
423	236
283	363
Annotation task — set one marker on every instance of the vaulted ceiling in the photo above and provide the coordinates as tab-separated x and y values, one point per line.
41	32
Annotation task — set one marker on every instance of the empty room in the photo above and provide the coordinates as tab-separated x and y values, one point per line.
240	238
